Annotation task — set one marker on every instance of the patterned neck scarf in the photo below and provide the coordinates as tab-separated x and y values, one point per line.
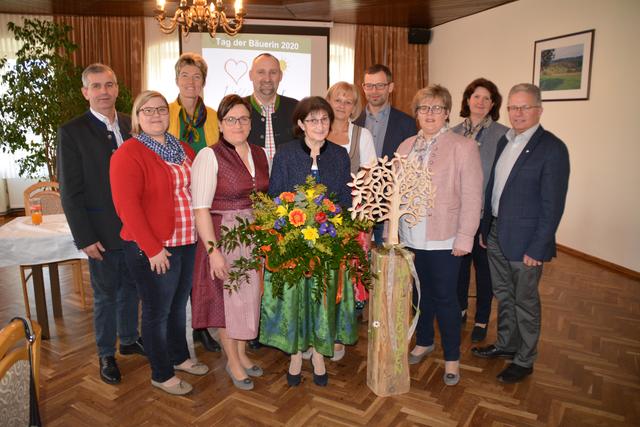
191	124
471	131
171	151
422	146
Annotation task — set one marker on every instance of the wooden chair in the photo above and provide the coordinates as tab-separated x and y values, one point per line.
15	371
49	194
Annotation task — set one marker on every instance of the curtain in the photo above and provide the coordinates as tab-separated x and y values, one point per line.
342	53
390	46
161	53
116	41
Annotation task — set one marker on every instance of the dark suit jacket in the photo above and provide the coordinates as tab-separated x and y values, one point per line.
533	199
400	127
84	154
280	120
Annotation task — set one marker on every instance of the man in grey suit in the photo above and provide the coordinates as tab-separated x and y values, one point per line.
524	202
85	146
388	125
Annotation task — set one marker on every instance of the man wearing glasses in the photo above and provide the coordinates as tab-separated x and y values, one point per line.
85	146
524	202
388	126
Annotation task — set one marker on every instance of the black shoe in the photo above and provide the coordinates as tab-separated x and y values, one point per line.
479	333
254	344
492	352
319	380
514	374
135	348
109	371
294	380
203	336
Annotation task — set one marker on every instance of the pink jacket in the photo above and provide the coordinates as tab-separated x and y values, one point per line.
457	175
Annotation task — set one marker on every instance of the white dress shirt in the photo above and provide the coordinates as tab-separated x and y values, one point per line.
505	163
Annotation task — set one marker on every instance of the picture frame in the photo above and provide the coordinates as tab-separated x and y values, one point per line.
562	66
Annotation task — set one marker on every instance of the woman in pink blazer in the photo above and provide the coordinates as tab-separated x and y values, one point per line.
446	233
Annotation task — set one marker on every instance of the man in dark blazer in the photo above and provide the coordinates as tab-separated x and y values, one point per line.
85	146
271	113
388	126
524	202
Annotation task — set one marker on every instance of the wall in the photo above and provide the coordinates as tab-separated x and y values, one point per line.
602	217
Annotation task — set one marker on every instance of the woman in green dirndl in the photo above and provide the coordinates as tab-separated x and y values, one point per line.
303	317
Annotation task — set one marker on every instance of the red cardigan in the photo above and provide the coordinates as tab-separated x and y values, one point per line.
142	187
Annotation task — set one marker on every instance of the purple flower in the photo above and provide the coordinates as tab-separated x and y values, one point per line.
318	200
277	201
280	222
338	210
324	227
332	230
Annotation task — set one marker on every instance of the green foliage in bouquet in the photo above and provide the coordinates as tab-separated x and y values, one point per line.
300	234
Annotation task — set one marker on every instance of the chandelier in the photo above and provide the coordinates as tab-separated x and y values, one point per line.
201	15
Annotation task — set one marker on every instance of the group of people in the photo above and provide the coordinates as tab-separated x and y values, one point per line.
146	197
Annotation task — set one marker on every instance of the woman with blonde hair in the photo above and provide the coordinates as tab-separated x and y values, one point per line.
151	186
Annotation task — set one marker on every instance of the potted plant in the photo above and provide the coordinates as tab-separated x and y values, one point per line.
42	92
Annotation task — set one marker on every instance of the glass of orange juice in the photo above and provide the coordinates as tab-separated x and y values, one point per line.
36	211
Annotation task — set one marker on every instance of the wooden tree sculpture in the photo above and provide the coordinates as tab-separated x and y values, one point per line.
392	189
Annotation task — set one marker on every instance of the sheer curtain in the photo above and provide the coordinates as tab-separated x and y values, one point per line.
8	48
161	53
342	53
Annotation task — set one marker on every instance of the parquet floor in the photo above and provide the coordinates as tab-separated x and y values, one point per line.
587	374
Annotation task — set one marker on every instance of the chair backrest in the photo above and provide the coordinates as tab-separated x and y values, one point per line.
14	371
49	194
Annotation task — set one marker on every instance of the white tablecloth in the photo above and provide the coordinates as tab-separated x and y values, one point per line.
24	243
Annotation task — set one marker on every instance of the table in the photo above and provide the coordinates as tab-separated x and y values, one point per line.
37	246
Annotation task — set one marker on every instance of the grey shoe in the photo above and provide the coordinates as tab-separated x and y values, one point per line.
306	355
254	371
338	355
198	368
414	360
179	389
244	384
451	379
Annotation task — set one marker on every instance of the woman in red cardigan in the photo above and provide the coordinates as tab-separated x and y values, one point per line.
150	183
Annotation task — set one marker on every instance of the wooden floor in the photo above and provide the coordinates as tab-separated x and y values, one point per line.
587	374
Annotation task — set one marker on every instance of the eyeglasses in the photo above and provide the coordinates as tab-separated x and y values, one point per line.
371	86
315	122
521	108
433	109
150	111
231	121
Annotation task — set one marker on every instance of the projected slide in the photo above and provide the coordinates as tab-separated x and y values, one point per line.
229	60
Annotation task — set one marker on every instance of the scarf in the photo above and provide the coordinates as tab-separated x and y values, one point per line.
171	151
422	146
471	131
191	124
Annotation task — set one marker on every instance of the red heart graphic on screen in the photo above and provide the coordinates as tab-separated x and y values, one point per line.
235	69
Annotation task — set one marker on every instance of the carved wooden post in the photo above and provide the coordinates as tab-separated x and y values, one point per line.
387	192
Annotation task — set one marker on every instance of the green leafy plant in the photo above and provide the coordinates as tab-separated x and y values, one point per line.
42	92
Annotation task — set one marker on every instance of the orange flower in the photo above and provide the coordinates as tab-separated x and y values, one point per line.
265	248
287	196
297	217
329	205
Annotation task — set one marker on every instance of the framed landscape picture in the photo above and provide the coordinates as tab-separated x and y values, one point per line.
562	66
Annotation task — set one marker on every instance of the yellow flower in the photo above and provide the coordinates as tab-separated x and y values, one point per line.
297	217
310	233
337	220
310	193
281	211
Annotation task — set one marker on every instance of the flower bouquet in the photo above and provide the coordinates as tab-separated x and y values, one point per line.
299	234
